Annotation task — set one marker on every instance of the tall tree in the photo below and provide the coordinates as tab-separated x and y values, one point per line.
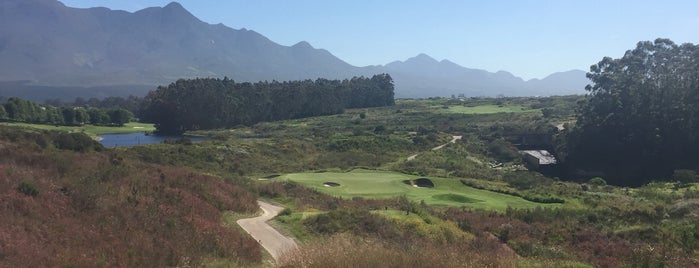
215	103
119	116
641	120
3	113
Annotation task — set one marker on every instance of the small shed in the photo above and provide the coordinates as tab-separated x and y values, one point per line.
536	159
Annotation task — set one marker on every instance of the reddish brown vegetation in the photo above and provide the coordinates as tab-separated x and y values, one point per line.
557	235
97	209
343	250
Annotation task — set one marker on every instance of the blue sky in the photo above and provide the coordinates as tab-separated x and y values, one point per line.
528	38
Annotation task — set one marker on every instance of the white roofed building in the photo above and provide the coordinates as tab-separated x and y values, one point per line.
538	158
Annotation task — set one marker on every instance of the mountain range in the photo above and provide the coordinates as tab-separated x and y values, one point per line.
46	46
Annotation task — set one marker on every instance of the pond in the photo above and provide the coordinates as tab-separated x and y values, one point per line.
137	138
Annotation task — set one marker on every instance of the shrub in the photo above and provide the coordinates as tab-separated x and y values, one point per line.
597	181
523	180
358	221
77	142
502	151
28	188
285	212
544	199
380	129
684	175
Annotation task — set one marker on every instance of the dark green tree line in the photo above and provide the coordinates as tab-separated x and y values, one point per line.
217	103
641	118
130	103
18	110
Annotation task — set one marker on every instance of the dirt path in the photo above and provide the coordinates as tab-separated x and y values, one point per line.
274	242
453	140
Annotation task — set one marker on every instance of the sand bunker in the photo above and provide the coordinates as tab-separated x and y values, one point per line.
330	184
424	183
420	182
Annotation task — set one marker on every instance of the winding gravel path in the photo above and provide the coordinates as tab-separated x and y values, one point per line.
453	140
274	242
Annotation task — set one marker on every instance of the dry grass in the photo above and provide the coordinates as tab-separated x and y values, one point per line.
344	250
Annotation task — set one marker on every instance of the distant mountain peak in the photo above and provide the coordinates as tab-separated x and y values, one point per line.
174	6
303	44
422	57
175	16
176	10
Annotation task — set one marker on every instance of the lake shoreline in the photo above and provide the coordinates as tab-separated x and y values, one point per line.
137	138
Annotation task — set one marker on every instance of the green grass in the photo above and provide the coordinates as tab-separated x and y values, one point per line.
386	184
92	130
456	198
292	224
489	109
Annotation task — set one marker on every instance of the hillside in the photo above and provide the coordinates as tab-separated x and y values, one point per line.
66	203
356	190
98	52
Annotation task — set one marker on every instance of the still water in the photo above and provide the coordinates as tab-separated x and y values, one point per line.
138	138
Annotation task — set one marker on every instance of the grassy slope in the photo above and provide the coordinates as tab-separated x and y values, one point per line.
385	184
101	209
92	130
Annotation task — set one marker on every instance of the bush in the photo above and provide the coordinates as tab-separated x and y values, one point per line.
523	180
28	188
380	129
597	181
358	221
503	151
285	212
77	142
684	175
544	199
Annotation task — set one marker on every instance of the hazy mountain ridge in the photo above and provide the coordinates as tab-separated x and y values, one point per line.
46	43
98	46
422	73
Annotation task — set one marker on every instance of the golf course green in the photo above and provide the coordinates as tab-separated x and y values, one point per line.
387	184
